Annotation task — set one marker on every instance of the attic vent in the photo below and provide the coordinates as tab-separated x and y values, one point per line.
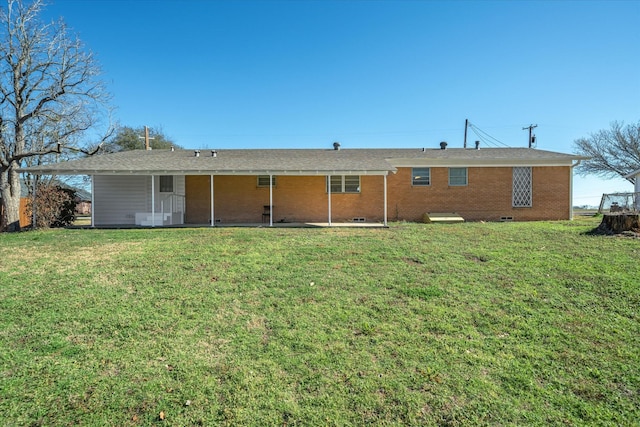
443	145
336	146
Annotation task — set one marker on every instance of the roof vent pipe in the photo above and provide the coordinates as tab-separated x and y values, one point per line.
443	145
477	145
214	153
196	153
336	146
173	148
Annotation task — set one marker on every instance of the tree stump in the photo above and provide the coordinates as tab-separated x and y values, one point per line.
618	222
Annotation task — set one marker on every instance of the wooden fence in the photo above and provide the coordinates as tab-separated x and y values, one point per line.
25	218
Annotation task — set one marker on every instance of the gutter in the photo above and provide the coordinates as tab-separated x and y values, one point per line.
577	163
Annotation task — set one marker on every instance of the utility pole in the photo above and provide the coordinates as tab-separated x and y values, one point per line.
532	137
466	125
146	139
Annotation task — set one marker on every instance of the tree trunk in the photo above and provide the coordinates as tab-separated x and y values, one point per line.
619	222
10	190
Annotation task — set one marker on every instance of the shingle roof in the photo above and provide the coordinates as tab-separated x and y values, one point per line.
296	161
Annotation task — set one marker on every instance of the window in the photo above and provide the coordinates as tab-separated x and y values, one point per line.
421	176
522	187
263	180
166	183
457	176
345	183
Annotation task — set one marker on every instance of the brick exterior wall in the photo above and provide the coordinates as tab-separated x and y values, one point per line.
487	196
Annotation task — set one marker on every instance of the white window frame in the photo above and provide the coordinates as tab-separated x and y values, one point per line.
421	177
263	180
163	181
453	183
343	184
522	190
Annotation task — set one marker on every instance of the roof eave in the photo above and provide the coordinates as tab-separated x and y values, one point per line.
480	162
50	171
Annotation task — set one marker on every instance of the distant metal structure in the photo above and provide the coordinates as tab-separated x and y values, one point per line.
619	202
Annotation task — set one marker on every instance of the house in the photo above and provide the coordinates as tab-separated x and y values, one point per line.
167	187
83	201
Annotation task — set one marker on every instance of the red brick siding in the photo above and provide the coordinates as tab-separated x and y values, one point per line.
487	195
238	199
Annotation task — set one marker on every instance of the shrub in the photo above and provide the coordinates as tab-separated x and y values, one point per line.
54	206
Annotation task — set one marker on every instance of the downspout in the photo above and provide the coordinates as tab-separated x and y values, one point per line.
213	213
153	201
33	204
571	190
270	200
385	200
329	196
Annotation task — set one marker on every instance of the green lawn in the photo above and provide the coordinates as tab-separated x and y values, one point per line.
461	324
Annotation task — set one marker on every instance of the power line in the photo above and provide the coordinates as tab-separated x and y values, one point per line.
486	138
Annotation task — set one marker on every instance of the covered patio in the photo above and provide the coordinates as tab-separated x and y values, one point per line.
240	188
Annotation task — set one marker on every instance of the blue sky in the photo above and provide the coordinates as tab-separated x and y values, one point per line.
284	74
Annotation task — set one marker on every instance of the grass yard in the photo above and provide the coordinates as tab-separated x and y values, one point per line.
462	324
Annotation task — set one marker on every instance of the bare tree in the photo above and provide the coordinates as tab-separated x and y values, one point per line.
614	152
51	98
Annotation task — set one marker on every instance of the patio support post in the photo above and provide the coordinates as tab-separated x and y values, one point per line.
33	203
213	212
153	201
93	192
385	200
329	197
270	200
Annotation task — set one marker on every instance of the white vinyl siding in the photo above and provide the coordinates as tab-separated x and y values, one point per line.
117	199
